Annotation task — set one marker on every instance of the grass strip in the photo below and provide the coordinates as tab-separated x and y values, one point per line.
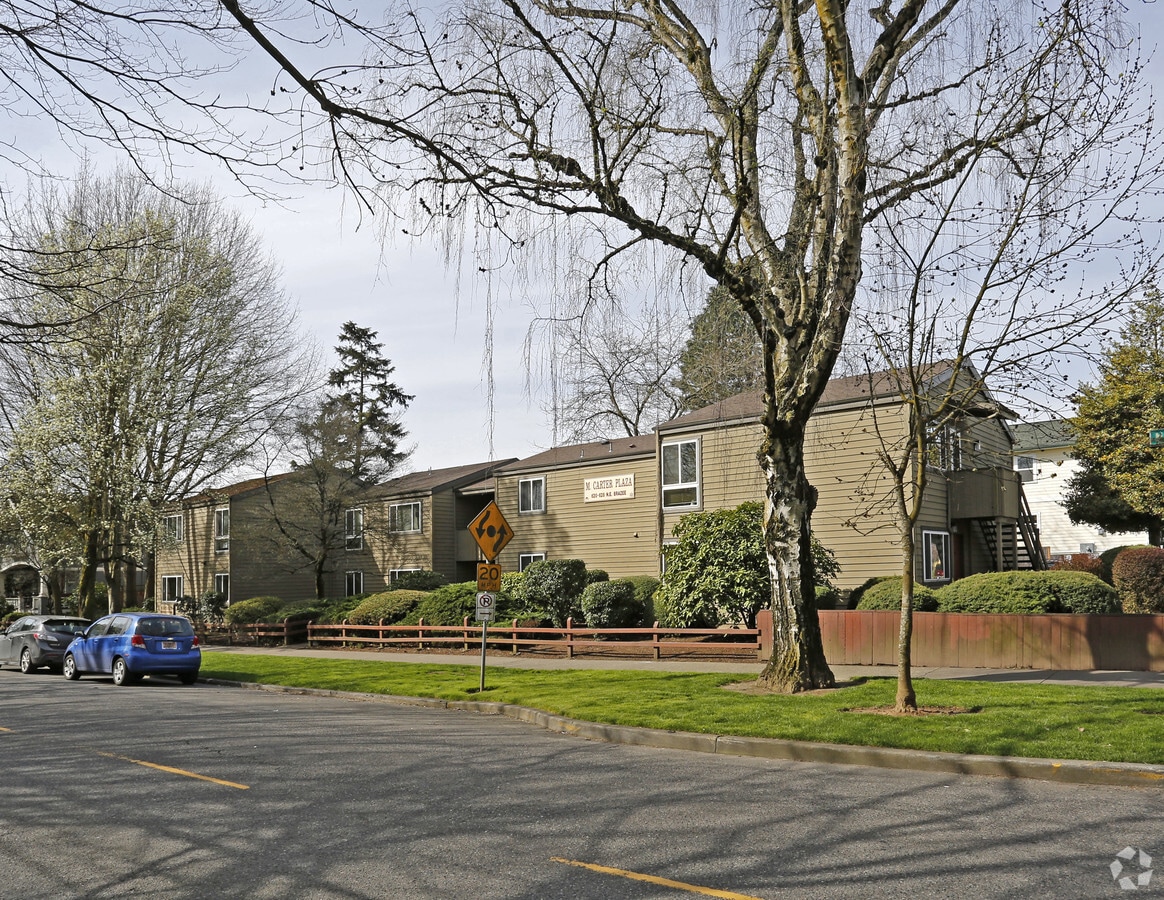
1112	724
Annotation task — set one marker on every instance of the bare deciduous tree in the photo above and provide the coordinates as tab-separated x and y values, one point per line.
773	134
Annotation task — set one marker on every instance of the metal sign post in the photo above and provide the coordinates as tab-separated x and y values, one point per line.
485	609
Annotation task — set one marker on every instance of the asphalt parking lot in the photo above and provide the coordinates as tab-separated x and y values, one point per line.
160	790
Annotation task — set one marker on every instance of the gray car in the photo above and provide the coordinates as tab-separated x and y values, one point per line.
35	641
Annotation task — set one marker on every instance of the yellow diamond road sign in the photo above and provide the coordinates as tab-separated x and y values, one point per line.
490	530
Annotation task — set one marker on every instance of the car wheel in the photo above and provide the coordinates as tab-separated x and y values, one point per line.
121	672
188	677
69	668
26	665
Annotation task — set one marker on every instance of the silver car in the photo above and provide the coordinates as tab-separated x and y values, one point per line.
35	641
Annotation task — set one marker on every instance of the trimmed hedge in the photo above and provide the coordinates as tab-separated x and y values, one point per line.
1138	576
422	580
1028	593
389	606
247	612
886	594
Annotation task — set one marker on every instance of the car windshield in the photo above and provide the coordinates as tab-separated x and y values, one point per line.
164	626
64	626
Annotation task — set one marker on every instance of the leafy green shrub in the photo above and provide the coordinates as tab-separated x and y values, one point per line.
1082	592
9	617
826	597
858	592
513	585
209	608
554	587
886	594
646	586
246	612
390	606
596	575
1027	592
611	604
717	572
1138	576
422	580
449	605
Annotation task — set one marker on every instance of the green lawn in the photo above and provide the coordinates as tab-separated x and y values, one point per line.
1115	724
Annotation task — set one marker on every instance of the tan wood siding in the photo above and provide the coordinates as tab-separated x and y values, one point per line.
618	536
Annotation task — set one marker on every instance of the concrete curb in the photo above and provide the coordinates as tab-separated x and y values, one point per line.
1067	771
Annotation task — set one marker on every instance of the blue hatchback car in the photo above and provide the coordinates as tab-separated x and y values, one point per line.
129	646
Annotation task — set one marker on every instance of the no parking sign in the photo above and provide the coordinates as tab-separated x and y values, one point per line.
485	606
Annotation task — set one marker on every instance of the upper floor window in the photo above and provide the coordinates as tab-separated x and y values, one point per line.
354	529
1026	467
222	529
172	528
531	495
404	516
681	475
946	450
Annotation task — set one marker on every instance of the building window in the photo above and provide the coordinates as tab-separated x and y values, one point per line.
946	449
1026	468
395	574
171	587
172	529
353	583
681	475
525	560
936	555
222	586
531	495
404	517
354	529
221	530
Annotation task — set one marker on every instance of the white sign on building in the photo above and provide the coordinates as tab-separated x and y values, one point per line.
612	487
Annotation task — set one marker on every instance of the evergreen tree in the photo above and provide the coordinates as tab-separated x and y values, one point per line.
1121	485
723	356
367	400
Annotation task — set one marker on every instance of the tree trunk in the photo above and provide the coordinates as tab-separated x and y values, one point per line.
86	601
906	700
798	660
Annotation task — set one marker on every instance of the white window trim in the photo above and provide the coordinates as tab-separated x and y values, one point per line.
354	531
179	531
392	523
681	485
221	540
349	582
226	593
176	580
525	560
394	574
928	572
532	510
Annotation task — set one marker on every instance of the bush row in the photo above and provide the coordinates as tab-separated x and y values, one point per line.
999	592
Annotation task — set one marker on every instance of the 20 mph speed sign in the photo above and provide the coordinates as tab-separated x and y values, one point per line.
485	605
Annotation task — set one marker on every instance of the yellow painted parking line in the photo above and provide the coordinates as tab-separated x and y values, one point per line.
654	879
173	771
9	730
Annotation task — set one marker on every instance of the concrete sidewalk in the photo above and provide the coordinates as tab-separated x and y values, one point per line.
841	673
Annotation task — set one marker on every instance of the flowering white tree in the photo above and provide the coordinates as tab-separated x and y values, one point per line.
173	350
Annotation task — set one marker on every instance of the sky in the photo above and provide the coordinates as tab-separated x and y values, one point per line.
432	324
